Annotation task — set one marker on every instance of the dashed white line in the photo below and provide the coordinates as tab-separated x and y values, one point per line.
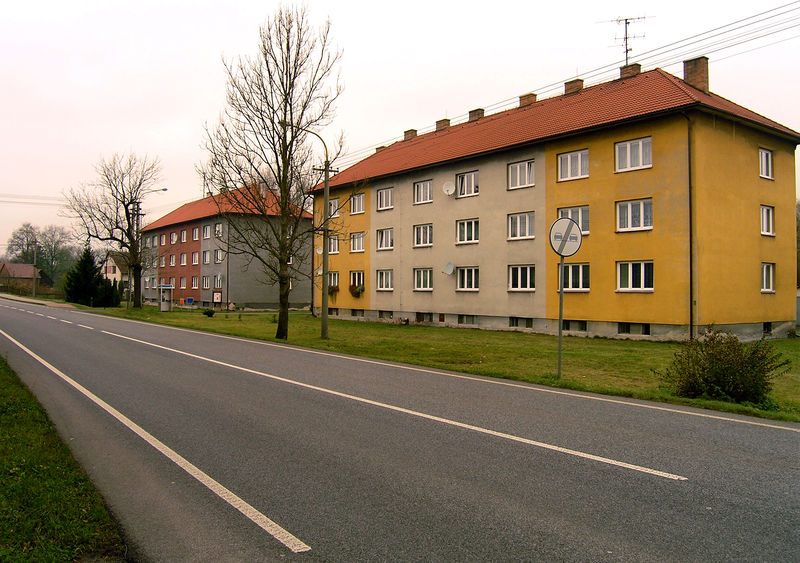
419	414
86	327
283	536
52	317
65	321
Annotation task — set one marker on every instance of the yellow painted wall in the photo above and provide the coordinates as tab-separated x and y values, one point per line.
666	244
730	248
345	261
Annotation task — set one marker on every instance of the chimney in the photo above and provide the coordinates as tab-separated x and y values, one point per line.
527	99
409	134
573	86
695	73
630	70
442	124
475	114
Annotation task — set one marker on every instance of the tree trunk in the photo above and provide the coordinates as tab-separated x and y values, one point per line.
136	274
283	304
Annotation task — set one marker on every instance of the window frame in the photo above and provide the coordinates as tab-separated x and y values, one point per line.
333	244
333	279
333	207
768	277
359	236
766	164
219	256
384	280
357	209
218	281
182	282
530	174
530	225
642	205
475	231
206	282
183	235
422	275
641	142
582	157
357	276
173	238
206	232
384	199
183	259
768	220
579	209
196	233
384	239
195	282
195	258
642	266
467	189
172	260
530	278
218	231
206	257
423	187
426	238
584	278
468	278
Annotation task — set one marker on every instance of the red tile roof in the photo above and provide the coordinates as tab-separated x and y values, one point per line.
18	271
643	95
213	206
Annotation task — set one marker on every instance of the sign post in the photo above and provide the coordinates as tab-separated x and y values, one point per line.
565	240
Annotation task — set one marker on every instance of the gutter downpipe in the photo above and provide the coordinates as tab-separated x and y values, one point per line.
691	223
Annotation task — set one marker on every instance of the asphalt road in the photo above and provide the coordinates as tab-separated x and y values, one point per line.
212	448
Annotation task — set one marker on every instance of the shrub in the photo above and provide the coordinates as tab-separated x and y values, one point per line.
209	313
719	366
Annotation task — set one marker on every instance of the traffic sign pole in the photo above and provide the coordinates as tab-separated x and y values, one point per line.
560	310
565	240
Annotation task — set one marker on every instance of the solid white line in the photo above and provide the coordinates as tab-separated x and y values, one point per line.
426	416
486	379
228	496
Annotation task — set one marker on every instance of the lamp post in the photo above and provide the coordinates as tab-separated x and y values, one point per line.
326	213
134	273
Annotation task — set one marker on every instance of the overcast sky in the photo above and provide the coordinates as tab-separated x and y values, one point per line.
81	80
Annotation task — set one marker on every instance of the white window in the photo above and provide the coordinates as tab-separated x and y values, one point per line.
219	256
767	277
576	277
520	175
333	244
767	220
635	276
163	240
634	155
385	280
218	230
147	242
357	242
155	241
206	282
183	235
171	259
423	191
636	215
573	165
467	231
206	231
579	214
183	258
333	207
162	261
357	278
183	282
206	257
163	281
357	204
333	279
522	278
172	282
468	278
153	283
146	283
194	282
217	281
520	225
195	258
385	239
467	184
173	238
385	199
423	279
196	233
423	235
765	163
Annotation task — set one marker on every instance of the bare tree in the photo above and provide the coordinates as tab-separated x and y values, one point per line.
22	244
109	209
259	164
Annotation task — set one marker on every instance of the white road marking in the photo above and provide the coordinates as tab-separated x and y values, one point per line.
228	496
51	317
39	315
486	379
86	327
419	414
65	321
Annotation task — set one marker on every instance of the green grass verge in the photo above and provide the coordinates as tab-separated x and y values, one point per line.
49	510
614	367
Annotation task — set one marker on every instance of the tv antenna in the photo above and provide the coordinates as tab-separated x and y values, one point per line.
627	36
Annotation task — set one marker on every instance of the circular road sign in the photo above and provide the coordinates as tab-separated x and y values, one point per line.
565	236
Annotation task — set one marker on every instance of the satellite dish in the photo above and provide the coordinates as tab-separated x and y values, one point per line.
449	188
449	269
319	250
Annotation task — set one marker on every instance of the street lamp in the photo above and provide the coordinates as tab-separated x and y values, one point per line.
326	213
136	275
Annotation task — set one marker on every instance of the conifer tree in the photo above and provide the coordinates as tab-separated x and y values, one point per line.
82	282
